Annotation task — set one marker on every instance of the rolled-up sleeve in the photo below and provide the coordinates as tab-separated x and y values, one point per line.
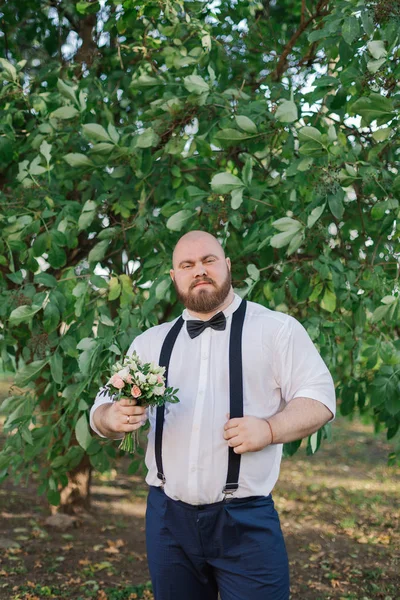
300	368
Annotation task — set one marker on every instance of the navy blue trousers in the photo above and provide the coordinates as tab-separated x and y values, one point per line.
232	547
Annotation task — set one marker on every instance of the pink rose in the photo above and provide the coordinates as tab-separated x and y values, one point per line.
160	379
129	378
136	391
117	382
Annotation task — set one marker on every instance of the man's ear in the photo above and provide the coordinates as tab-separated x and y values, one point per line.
172	274
228	262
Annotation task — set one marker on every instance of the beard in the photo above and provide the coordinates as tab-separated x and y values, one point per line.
205	301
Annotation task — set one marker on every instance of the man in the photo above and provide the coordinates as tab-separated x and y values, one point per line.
211	525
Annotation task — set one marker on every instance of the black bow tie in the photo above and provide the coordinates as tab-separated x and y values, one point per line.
217	322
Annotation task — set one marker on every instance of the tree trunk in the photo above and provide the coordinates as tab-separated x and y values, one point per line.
75	497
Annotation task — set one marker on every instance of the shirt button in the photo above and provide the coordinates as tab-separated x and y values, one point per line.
193	469
204	356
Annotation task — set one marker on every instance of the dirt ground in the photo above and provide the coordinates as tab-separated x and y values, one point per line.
339	512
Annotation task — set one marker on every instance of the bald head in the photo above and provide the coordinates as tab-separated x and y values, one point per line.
194	239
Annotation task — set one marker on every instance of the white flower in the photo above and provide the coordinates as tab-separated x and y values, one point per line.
140	377
152	378
123	373
159	390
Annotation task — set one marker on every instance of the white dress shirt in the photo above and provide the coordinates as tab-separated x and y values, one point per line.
280	363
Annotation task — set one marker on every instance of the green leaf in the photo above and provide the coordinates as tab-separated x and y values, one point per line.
65	112
367	22
295	242
162	288
113	133
84	7
9	69
56	256
35	167
373	107
309	133
223	183
315	215
246	124
194	193
102	148
88	213
380	313
53	497
74	159
253	272
236	198
247	172
286	112
145	81
282	239
45	150
328	301
45	279
378	211
82	432
335	203
373	66
29	372
114	289
106	321
381	135
287	224
96	132
147	139
56	367
350	29
196	84
99	281
23	313
231	135
313	441
377	49
66	90
98	251
179	219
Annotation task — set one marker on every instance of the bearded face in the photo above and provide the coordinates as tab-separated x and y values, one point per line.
204	294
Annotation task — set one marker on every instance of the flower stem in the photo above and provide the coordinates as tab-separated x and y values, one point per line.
130	442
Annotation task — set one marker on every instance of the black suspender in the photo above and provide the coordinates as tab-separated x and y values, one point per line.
165	357
235	392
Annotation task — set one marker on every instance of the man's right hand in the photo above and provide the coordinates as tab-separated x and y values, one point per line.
116	418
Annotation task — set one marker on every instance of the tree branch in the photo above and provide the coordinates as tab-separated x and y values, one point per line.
319	12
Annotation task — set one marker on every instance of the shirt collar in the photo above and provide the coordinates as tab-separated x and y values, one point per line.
229	310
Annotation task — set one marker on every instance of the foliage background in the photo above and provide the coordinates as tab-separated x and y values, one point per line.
274	126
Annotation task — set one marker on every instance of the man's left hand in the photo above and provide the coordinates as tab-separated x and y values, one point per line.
247	434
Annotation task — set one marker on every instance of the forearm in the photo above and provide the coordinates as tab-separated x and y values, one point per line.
300	418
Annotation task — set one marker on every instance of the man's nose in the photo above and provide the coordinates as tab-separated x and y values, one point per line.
200	270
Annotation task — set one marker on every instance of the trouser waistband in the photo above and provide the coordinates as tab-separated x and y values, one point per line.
213	504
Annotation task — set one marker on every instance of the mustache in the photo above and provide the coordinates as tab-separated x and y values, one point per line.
202	280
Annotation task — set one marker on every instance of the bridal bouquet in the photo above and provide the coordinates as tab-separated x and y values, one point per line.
145	382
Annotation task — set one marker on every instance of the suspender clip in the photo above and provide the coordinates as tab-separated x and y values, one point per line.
229	490
161	476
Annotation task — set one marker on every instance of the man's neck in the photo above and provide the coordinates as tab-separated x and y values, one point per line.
206	316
